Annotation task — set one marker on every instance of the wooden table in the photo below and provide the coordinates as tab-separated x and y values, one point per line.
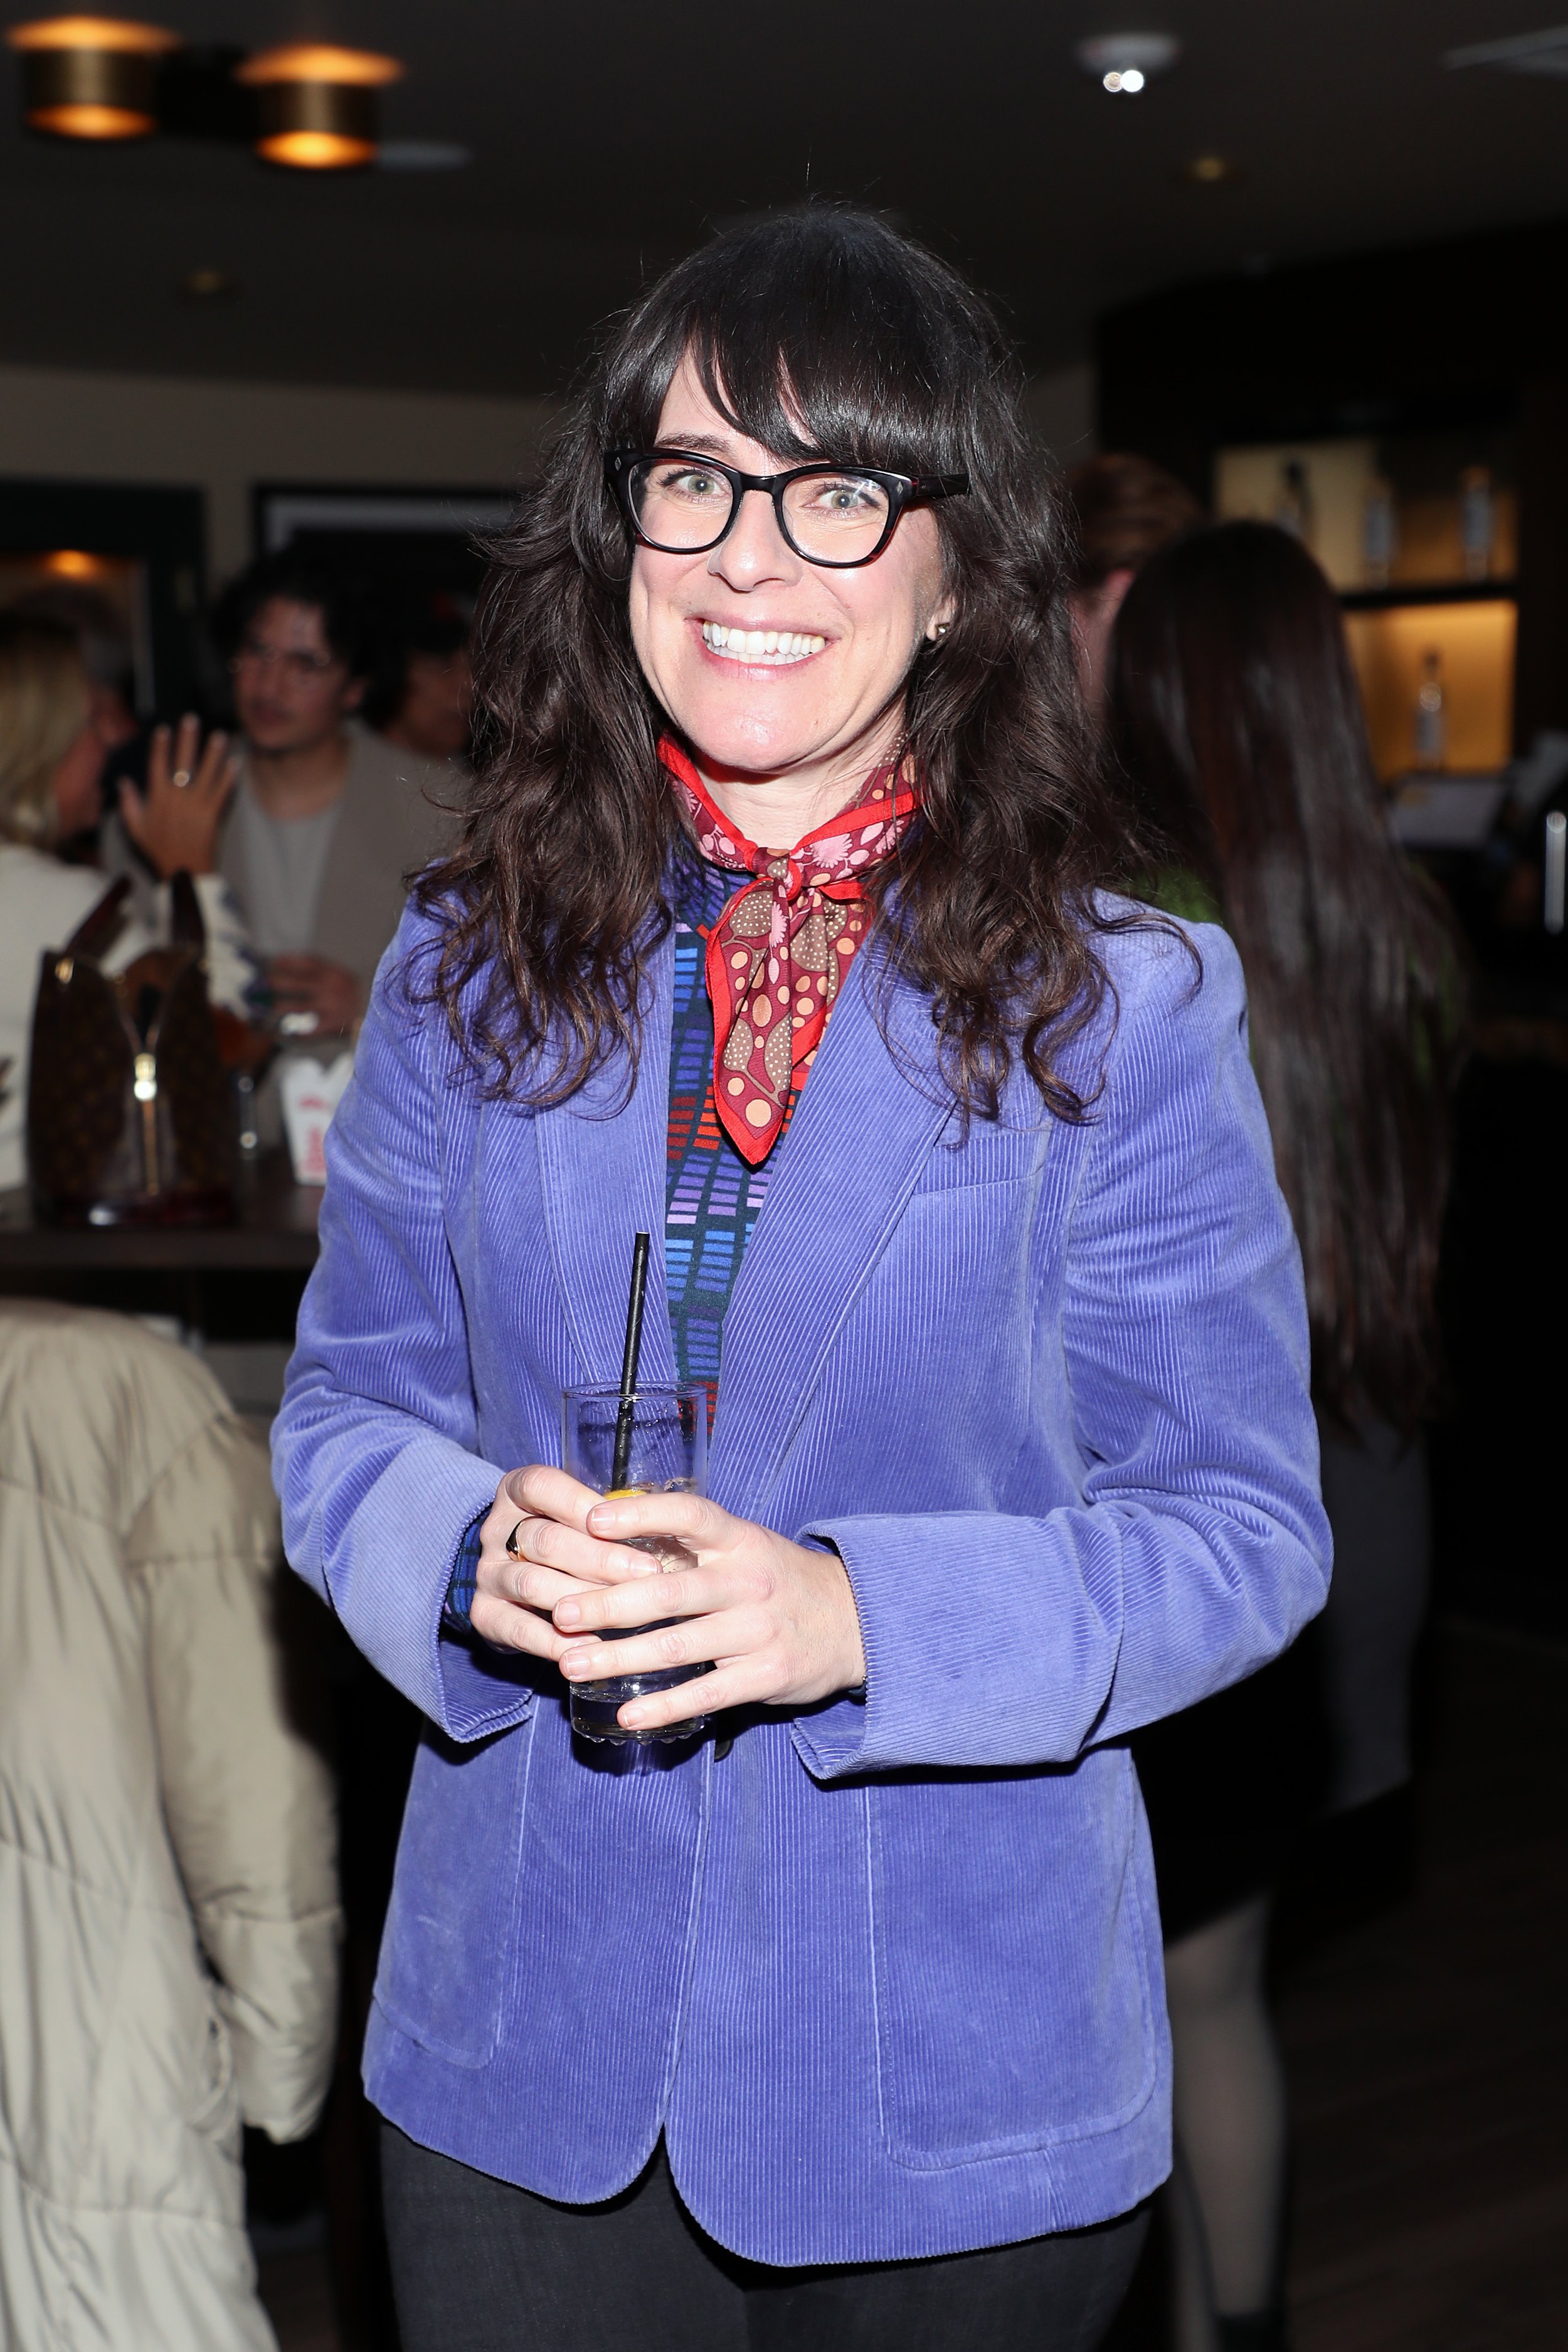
275	1232
238	1281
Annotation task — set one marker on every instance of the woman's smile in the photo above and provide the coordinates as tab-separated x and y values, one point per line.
763	648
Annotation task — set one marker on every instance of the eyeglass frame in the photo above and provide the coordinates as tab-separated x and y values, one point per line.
903	490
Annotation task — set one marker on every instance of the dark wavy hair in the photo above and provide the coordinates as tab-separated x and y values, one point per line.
817	333
1234	710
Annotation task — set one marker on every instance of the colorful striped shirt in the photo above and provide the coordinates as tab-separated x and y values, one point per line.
712	1199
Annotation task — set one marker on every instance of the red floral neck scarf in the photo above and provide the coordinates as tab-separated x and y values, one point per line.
778	955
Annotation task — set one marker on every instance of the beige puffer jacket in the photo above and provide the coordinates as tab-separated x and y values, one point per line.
169	1924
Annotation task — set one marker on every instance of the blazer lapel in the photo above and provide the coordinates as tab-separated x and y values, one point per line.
862	1130
601	1165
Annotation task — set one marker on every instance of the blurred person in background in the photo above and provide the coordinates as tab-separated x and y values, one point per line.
1235	713
168	1952
100	629
54	740
423	699
326	818
1125	508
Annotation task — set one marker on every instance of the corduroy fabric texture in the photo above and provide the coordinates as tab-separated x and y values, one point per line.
887	1975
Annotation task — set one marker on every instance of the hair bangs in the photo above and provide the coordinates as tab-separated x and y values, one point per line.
811	334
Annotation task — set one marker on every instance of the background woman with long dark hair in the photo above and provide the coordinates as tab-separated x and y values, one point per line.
1235	714
777	931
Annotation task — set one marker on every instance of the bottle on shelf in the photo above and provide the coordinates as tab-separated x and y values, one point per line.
1378	539
1478	522
1293	505
1431	714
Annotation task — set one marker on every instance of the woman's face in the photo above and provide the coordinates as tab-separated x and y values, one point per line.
821	717
76	787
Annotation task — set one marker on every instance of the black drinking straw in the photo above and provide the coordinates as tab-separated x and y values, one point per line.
633	1349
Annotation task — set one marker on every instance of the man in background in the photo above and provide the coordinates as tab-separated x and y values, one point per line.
328	817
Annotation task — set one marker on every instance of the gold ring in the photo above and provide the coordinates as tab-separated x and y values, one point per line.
179	779
512	1539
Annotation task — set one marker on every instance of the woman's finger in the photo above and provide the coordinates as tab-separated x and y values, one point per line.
507	1627
552	1494
701	1524
686	1592
730	1633
550	1544
730	1684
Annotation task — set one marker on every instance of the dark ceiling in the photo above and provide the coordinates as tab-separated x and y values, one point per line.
606	136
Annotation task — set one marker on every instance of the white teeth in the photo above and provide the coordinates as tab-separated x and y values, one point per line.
775	645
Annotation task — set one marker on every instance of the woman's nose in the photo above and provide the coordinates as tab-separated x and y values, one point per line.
755	549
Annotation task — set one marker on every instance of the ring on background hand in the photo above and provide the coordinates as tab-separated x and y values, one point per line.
179	779
512	1539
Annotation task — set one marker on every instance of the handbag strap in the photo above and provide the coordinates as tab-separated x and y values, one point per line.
101	921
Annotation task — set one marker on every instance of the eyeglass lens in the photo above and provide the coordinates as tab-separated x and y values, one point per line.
836	516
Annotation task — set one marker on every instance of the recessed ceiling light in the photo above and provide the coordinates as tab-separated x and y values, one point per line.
208	285
1210	171
1123	63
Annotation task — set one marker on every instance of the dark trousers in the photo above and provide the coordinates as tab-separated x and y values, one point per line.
480	2266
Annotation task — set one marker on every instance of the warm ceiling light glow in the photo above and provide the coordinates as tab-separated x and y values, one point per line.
316	151
89	77
1209	170
91	33
73	563
317	103
319	61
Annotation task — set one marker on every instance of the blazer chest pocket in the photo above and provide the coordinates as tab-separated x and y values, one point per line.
444	1951
988	1154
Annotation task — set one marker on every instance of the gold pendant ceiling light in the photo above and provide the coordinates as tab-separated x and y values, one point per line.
91	76
319	110
317	107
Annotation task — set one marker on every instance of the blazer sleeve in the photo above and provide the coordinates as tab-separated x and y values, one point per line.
375	1451
247	1791
1198	1548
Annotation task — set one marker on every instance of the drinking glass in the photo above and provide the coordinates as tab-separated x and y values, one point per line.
657	1441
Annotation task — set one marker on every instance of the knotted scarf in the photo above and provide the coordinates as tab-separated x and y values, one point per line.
778	955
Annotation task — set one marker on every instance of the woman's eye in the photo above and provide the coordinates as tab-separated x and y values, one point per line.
848	498
699	487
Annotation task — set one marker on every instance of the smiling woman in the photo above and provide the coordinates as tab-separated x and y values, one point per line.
836	2017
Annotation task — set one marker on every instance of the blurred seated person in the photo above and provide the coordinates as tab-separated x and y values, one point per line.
425	701
167	1870
1126	507
54	740
326	818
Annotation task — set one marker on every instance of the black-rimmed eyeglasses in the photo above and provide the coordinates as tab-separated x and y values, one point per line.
683	504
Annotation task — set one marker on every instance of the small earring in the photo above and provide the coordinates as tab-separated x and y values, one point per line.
942	628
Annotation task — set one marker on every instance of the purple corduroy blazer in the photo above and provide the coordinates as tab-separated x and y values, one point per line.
887	1975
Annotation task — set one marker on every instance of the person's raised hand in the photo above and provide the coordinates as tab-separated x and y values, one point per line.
776	1619
174	822
313	984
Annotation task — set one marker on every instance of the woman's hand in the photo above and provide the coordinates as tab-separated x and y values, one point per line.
174	823
778	1620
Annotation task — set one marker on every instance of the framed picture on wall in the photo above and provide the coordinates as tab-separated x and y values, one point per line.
413	541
